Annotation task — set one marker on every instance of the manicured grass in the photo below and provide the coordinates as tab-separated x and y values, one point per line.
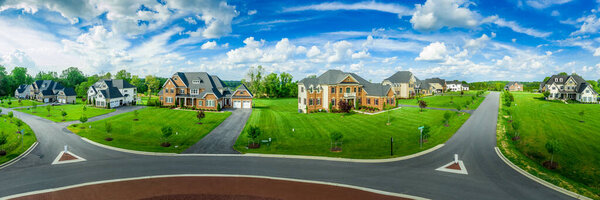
15	103
144	99
74	112
541	121
449	100
146	135
14	147
365	136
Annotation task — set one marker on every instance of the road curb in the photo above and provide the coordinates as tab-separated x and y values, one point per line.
14	160
219	175
271	155
539	180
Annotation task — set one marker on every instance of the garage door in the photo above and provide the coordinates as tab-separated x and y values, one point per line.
46	100
237	104
247	104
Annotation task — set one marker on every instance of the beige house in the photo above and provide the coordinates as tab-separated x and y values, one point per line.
513	86
569	87
403	83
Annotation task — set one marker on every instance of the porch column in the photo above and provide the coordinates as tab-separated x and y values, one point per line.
185	102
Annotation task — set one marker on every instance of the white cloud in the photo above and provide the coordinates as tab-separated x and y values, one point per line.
590	24
209	45
514	40
476	44
251	52
541	4
190	20
434	52
17	58
314	51
435	14
361	55
365	5
515	27
597	52
555	13
252	12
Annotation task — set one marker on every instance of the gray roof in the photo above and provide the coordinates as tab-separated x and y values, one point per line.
376	89
583	86
118	83
69	92
111	92
455	82
22	88
581	83
334	76
400	77
436	80
210	83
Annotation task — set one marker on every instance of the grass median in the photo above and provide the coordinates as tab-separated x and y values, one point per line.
74	112
14	146
469	100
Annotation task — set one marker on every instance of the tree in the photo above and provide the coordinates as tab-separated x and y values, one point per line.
72	77
84	108
19	76
135	113
447	117
422	104
426	130
553	146
10	115
582	114
253	133
108	127
9	103
152	83
458	107
516	126
271	84
167	131
336	137
563	74
48	108
344	106
83	119
546	94
287	87
200	115
462	93
254	76
0	111
19	123
46	76
546	79
138	83
123	74
63	114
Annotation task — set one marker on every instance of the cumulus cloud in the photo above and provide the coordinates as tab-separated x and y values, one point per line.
209	45
597	52
17	58
314	51
435	14
478	43
434	52
515	27
366	5
252	12
190	20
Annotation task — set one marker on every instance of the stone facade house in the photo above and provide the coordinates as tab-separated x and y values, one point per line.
403	83
47	91
334	86
569	87
513	86
203	91
112	93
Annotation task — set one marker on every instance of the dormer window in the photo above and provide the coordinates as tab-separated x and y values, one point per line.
555	79
196	82
561	80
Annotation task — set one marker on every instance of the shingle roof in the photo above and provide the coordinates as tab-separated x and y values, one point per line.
454	82
211	84
69	92
376	89
436	80
581	83
400	77
111	92
22	88
332	76
243	87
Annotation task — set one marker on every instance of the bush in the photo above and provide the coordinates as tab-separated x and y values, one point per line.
344	106
253	133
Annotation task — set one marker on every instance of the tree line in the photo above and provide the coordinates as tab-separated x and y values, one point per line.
271	85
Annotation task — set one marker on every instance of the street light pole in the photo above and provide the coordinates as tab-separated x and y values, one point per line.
421	145
392	146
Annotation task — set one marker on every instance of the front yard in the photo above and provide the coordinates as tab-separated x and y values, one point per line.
145	134
541	121
14	147
468	101
15	103
364	136
74	112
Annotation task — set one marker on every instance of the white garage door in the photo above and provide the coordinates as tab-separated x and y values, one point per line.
237	104
247	104
46	100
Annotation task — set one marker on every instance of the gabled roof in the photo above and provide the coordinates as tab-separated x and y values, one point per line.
583	86
453	82
243	87
69	92
332	76
513	82
201	80
111	92
400	77
376	89
117	83
436	80
22	88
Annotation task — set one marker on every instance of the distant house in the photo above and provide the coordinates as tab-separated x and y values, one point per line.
457	86
513	86
403	83
47	91
465	87
335	86
112	93
569	87
431	86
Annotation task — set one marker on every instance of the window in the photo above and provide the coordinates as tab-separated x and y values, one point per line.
181	91
310	102
332	90
555	79
359	101
301	89
376	101
561	80
319	101
587	91
368	100
304	101
169	99
354	89
347	90
161	98
166	90
194	91
210	103
195	82
340	90
359	89
200	103
124	90
333	101
299	100
172	90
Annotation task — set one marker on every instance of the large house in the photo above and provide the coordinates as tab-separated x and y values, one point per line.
203	91
513	86
112	93
403	83
457	86
569	87
47	91
431	86
326	91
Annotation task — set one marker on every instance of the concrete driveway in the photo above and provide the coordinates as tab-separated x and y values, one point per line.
221	139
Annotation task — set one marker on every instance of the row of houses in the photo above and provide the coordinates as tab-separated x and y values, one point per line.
327	90
47	91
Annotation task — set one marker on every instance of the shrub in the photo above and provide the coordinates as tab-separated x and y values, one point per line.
344	106
83	119
253	133
422	104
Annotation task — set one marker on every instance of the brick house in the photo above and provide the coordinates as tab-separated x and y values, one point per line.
513	86
334	86
203	91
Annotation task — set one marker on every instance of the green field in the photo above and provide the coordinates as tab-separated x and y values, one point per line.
145	134
541	121
144	99
365	136
15	103
74	112
449	100
14	147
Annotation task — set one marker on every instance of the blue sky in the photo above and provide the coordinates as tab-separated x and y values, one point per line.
523	40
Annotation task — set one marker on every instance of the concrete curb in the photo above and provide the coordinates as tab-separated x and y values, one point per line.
218	175
14	160
539	180
271	155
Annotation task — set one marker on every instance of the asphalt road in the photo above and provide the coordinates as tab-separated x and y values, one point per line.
488	178
221	139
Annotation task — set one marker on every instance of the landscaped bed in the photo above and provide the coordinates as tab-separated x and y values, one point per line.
468	100
74	112
145	133
14	146
15	103
364	136
538	123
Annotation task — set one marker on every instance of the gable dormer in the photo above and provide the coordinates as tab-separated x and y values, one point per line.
349	79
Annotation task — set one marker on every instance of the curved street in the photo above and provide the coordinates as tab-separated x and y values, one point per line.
488	176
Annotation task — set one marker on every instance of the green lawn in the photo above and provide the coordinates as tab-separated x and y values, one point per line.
449	100
541	121
14	147
74	112
15	103
365	136
144	99
145	134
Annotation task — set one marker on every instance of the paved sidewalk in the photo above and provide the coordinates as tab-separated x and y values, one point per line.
221	139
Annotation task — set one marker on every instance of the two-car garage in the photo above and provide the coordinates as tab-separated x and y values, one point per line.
242	103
